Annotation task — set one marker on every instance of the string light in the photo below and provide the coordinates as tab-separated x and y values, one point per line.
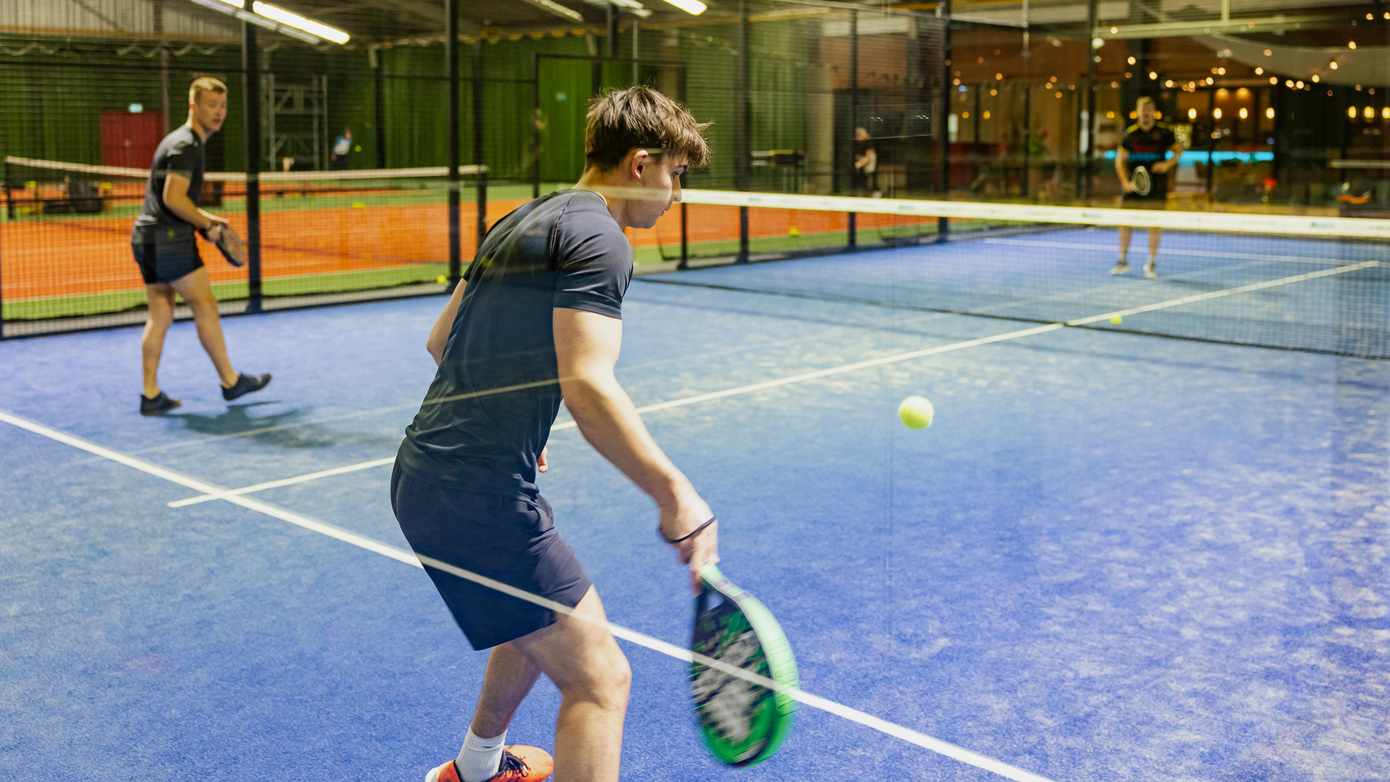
1333	65
1351	44
1131	60
1269	112
1259	71
1369	113
1216	113
1316	78
1351	112
1274	80
1153	75
1192	114
1244	113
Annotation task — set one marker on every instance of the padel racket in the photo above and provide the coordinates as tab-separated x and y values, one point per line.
230	244
743	718
1143	182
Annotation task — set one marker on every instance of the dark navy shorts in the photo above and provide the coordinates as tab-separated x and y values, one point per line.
503	537
167	262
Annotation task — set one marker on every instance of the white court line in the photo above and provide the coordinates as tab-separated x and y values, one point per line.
821	373
668	405
652	643
1039	243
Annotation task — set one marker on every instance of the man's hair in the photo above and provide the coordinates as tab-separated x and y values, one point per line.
641	117
1144	100
204	84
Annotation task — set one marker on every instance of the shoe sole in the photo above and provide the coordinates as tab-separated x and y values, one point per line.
244	393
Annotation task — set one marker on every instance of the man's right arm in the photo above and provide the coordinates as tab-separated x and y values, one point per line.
586	351
176	200
1122	168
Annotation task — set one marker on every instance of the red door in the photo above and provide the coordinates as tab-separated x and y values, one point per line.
129	140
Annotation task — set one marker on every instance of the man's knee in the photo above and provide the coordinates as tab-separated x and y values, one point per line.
160	318
203	306
604	677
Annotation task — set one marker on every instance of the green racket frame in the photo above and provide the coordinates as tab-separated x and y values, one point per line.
773	716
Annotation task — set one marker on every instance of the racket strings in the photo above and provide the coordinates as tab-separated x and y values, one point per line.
728	702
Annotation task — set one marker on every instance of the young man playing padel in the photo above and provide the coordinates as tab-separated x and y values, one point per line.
167	251
536	319
1146	143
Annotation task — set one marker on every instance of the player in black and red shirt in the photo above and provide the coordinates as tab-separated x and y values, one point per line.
1146	143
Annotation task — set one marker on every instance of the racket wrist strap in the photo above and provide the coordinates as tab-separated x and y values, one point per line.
688	535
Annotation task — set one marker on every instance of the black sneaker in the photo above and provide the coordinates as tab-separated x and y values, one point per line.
246	384
157	404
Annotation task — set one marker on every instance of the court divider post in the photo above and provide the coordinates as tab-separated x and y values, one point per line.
479	104
251	75
743	124
451	57
943	225
852	235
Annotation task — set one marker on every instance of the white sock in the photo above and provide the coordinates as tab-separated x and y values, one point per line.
480	758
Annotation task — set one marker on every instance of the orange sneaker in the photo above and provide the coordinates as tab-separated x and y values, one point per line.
520	763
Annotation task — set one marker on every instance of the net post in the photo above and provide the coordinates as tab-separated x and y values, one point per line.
480	205
535	124
9	215
852	229
250	63
5	183
1088	111
685	239
451	57
379	103
943	226
743	124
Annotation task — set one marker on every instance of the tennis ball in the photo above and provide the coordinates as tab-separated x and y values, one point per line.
1116	319
359	205
916	412
793	231
441	279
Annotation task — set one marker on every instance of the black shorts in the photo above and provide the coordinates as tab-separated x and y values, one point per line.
1156	199
163	263
504	537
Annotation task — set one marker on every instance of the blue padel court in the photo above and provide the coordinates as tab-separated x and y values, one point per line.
1124	550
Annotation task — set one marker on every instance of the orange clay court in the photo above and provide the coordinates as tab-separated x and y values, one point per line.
73	255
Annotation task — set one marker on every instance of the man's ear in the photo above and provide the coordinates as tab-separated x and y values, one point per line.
640	159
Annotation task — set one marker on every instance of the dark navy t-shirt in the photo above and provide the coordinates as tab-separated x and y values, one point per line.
1146	147
181	152
489	410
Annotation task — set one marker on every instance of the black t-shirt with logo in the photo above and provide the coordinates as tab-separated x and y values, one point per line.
181	152
1146	147
489	411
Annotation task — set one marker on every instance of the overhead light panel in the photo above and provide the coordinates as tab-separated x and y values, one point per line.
279	20
692	7
557	9
298	22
